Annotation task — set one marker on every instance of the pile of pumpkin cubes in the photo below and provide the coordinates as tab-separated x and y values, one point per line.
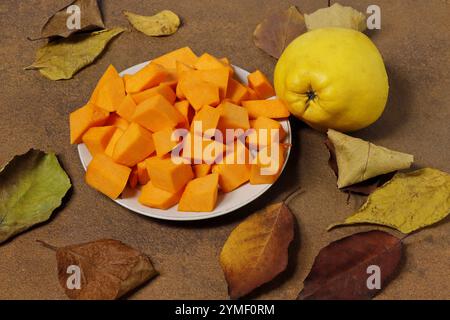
129	121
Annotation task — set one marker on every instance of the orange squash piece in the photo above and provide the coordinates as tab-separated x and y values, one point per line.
167	175
184	108
200	194
232	117
274	109
96	138
252	95
201	170
236	92
155	197
117	121
126	108
106	176
199	93
133	146
259	82
143	177
84	118
267	167
208	62
163	141
171	78
111	93
264	129
218	77
197	149
232	176
182	68
156	114
133	178
149	76
163	89
112	142
207	118
169	60
110	74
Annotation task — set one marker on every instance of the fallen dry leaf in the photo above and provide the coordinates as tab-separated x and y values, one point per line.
340	270
365	187
32	186
163	23
276	31
90	19
336	16
109	269
61	59
257	249
358	160
409	201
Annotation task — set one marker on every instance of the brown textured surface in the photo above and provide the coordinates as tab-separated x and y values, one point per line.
414	41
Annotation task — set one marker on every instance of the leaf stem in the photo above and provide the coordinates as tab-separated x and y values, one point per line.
46	245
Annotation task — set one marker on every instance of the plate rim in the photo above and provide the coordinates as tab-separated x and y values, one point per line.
186	215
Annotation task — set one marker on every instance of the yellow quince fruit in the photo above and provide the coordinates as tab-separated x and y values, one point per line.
333	78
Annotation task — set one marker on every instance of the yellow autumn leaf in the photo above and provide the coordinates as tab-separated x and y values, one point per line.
61	59
336	16
408	202
163	23
359	160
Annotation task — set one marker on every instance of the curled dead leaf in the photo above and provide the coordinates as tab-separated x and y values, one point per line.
109	269
336	16
341	269
257	249
276	31
408	202
163	23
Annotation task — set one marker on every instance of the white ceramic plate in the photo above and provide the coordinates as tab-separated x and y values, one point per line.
226	203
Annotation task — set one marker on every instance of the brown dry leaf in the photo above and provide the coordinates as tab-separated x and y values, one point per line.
336	16
109	269
276	31
358	160
257	249
163	23
341	269
90	19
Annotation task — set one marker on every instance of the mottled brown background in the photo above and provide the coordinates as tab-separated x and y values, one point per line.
415	43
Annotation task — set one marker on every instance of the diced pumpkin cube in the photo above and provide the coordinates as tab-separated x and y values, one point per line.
84	118
201	170
133	146
266	108
259	82
169	60
167	175
265	129
163	141
96	138
183	67
155	197
133	178
207	62
218	77
149	76
227	63
236	92
199	93
231	176
200	194
197	149
111	94
267	167
156	114
232	117
106	176
163	89
142	172
109	150
126	108
205	119
252	95
117	121
236	153
184	108
109	75
171	79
